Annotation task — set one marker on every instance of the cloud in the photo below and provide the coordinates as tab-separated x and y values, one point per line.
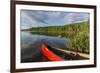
76	17
29	19
38	18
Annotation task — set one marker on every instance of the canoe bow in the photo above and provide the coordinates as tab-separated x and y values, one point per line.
49	54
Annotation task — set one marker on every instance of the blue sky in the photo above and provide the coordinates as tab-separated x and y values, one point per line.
39	18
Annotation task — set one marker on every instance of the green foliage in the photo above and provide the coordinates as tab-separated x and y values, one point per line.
80	41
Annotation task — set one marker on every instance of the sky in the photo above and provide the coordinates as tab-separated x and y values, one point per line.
40	18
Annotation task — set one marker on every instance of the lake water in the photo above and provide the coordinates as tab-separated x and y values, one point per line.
31	45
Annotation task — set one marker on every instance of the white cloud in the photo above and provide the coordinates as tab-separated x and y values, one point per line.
33	18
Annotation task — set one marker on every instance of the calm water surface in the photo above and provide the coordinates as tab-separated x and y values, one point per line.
31	45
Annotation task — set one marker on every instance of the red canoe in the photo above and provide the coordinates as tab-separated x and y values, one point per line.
49	54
